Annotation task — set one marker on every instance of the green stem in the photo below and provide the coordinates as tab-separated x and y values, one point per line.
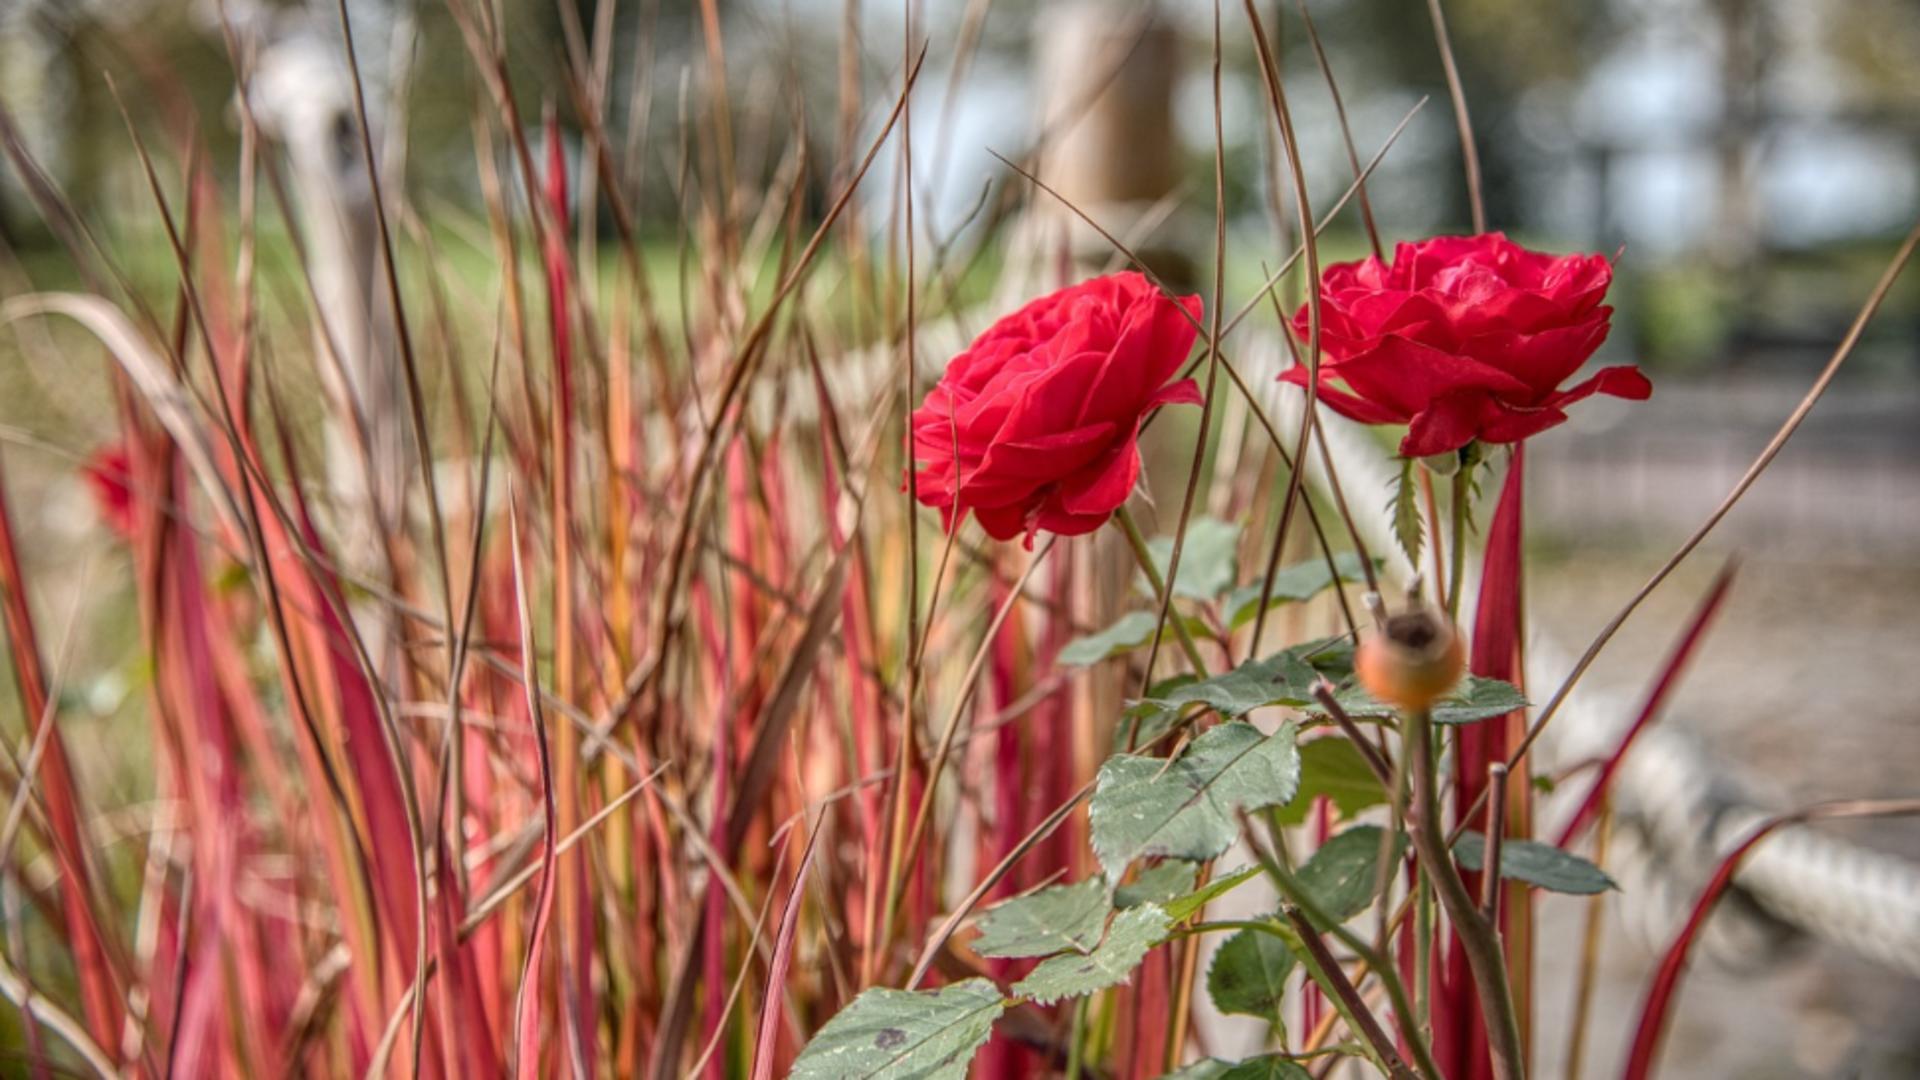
1423	948
1124	518
1345	997
1457	551
1479	937
1379	964
1075	1036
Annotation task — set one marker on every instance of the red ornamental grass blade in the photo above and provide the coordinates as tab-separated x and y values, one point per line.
1012	764
1459	1029
770	1011
92	960
311	594
1662	686
576	903
526	1009
1666	980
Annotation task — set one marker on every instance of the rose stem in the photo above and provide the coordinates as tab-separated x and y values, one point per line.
1124	518
1359	1016
1479	937
1076	1034
1462	490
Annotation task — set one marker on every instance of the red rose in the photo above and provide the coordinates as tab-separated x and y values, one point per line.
1464	338
1034	426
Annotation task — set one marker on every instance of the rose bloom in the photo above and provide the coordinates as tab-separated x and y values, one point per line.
1463	338
1035	425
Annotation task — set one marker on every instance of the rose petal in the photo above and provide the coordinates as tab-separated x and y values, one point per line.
1062	523
1015	469
1353	408
1156	338
1004	522
1501	423
1542	360
1449	423
1184	392
1621	381
1036	421
1101	488
1407	375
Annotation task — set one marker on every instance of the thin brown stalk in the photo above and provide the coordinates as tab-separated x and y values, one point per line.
1369	753
1495	832
739	368
899	841
938	939
1277	98
1587	978
1176	1044
969	683
1346	131
1469	153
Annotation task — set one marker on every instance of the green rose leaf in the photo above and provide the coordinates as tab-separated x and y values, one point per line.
1157	884
1056	919
1131	631
1344	875
1301	581
1285	678
1134	629
1204	1069
896	1035
1183	809
1151	716
1475	699
1133	933
1206	561
1333	767
1249	975
1267	1067
1536	864
1181	908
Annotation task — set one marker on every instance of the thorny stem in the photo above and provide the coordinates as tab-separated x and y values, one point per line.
1123	517
1479	937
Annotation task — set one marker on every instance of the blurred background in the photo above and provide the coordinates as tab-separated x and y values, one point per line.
1751	162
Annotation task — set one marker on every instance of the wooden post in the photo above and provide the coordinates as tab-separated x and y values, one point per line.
1106	137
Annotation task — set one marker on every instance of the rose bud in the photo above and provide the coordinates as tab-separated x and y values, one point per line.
1412	662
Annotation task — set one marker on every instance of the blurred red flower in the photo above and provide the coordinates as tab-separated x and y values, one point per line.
1463	338
1035	426
109	472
